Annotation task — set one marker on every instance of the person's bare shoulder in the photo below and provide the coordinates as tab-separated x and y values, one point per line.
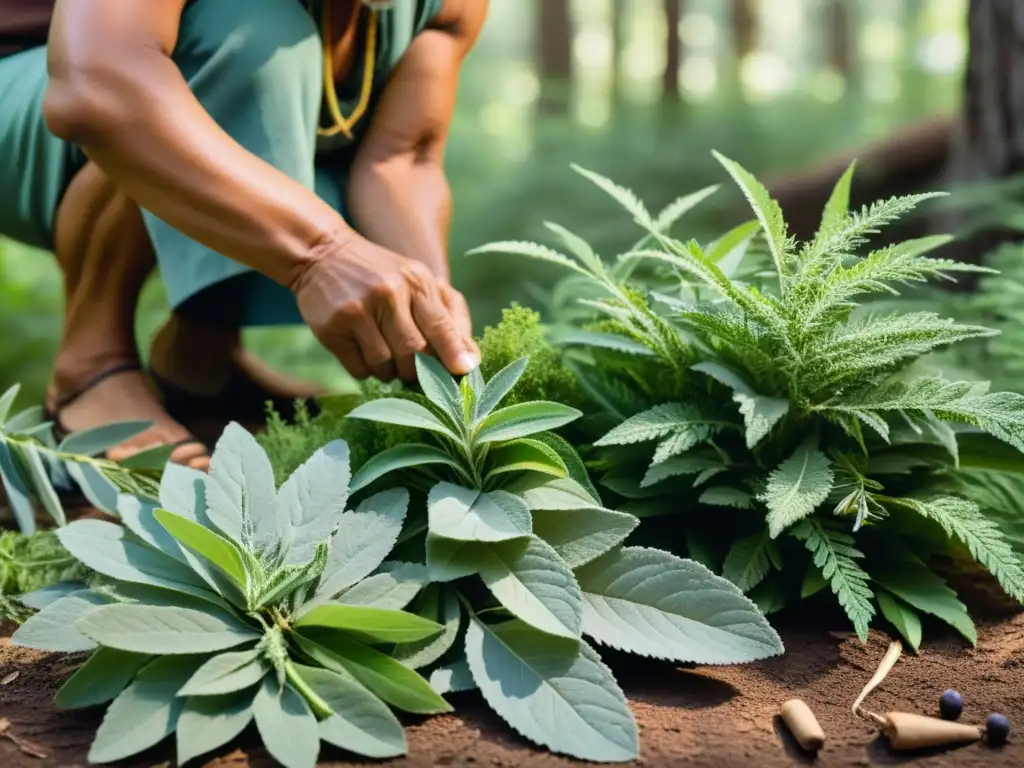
463	19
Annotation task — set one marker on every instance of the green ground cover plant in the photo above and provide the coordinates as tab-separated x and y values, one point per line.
830	454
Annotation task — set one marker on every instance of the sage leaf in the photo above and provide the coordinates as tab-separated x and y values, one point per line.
164	629
240	494
183	492
100	679
448	560
153	459
18	497
47	596
203	541
404	413
287	727
361	722
454	677
226	673
495	390
525	455
53	628
96	488
373	625
439	387
582	535
363	539
90	442
901	616
554	692
651	603
463	514
543	493
439	604
39	479
209	722
392	589
573	463
400	457
523	420
7	400
312	500
797	487
390	680
535	585
145	713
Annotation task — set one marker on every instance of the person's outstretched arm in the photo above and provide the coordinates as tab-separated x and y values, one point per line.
115	91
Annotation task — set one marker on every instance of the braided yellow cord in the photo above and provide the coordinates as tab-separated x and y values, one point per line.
341	123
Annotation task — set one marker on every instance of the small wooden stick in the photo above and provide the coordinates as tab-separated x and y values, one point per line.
888	662
803	725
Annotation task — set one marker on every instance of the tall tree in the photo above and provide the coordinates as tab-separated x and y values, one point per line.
744	33
673	51
618	46
840	38
554	54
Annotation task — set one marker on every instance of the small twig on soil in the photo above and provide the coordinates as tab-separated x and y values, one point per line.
26	747
10	678
888	662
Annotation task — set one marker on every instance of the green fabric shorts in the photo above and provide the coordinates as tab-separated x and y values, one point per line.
256	67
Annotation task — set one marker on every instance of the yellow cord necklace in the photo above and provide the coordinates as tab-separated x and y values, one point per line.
341	123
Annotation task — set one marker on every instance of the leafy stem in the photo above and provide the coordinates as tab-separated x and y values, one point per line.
320	707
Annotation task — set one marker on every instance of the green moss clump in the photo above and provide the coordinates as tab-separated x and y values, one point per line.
520	334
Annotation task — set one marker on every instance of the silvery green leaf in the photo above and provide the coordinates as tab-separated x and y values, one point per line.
165	629
439	387
47	596
7	400
393	589
796	487
209	722
475	379
439	604
153	459
364	538
90	442
404	413
240	494
106	549
651	603
24	422
448	559
572	461
388	679
400	457
100	679
226	673
53	628
145	713
760	414
369	625
313	499
454	677
523	420
531	581
582	535
183	492
463	514
495	390
553	691
545	493
39	480
18	497
96	488
361	722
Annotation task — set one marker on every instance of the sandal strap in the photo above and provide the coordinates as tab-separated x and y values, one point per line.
95	381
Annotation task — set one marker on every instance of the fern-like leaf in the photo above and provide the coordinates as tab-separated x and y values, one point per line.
749	560
796	487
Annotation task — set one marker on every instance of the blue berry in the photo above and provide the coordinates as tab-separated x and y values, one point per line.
997	728
951	705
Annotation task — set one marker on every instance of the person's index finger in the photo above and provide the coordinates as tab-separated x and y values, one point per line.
439	330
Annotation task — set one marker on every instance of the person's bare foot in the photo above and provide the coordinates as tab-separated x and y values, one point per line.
124	396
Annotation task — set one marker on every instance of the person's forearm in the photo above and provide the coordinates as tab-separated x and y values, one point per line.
140	123
405	206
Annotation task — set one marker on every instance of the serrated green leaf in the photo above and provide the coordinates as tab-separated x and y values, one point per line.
533	583
439	387
240	494
760	414
748	561
439	604
901	616
453	677
612	341
463	514
552	691
164	629
360	722
579	536
649	602
90	442
404	413
100	679
287	727
400	457
146	712
203	541
209	722
313	499
226	673
652	424
525	455
390	680
372	625
837	208
915	584
53	628
524	419
797	487
392	589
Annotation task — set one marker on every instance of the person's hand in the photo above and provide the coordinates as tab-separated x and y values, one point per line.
375	310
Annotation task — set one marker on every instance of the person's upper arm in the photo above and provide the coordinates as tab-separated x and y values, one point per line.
415	110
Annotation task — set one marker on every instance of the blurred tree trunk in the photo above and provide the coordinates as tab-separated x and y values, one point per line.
744	35
841	55
673	52
554	55
618	45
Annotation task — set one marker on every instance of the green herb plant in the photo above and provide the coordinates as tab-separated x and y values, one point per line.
230	601
524	561
811	426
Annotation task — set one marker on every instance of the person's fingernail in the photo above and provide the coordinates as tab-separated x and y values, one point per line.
467	362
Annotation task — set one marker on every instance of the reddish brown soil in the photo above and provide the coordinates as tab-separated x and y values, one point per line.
715	717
